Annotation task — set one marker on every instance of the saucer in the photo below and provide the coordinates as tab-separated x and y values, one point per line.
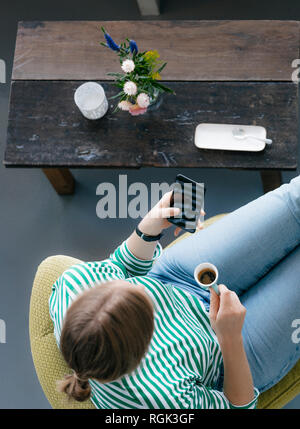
221	137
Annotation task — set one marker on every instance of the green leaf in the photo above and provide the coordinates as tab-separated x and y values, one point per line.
161	68
124	97
119	84
120	75
116	96
163	87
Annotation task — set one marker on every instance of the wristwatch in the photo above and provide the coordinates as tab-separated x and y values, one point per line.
147	237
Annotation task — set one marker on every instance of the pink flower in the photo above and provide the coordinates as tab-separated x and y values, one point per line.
136	110
128	66
143	100
125	105
130	88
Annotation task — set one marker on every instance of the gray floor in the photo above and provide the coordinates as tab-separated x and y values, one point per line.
35	222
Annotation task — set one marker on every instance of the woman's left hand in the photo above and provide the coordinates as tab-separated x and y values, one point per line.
156	220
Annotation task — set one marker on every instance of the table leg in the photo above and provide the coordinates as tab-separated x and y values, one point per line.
61	179
271	179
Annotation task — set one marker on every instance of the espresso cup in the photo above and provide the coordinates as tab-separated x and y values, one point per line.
209	275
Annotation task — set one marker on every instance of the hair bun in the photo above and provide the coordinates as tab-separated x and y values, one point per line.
75	387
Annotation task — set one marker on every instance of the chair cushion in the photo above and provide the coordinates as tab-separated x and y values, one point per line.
50	365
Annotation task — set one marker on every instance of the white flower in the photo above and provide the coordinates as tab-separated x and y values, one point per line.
128	66
130	88
125	105
143	100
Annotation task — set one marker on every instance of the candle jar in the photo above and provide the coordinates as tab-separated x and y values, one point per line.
91	100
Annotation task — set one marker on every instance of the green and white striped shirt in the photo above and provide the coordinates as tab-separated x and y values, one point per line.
182	364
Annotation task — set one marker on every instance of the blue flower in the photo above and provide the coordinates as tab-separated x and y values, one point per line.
133	47
110	43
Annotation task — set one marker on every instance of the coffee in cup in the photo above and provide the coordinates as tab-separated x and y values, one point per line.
206	275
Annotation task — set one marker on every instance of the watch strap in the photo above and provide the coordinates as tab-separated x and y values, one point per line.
147	237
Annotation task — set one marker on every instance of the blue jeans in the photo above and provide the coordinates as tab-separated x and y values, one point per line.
256	249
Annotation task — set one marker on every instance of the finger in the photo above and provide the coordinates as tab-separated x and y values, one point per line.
200	225
169	211
235	300
177	231
203	212
166	199
227	297
214	304
224	292
223	289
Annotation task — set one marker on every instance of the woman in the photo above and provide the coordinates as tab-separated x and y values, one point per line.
138	336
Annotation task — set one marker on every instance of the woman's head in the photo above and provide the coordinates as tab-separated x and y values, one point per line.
105	333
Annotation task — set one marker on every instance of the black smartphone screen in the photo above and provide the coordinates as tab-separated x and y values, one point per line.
188	195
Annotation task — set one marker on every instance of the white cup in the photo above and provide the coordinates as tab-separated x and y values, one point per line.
91	100
212	267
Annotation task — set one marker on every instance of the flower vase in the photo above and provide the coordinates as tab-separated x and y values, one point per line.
155	101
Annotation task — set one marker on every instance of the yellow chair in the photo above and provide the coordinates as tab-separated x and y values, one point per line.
51	367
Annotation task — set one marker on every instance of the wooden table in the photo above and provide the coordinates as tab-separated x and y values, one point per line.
222	71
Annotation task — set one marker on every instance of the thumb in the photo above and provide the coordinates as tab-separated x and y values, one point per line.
214	305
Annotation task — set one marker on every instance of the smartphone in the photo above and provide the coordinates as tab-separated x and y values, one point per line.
188	195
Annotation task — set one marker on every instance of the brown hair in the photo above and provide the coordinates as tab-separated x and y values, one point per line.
105	334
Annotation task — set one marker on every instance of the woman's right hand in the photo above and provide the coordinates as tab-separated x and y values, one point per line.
226	314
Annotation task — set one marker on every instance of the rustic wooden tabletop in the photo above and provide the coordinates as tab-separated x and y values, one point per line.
235	72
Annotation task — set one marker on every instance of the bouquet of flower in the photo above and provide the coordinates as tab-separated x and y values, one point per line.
138	84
